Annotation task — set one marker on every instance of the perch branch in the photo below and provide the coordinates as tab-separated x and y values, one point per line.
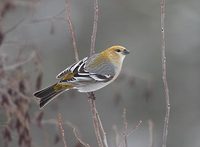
98	127
95	116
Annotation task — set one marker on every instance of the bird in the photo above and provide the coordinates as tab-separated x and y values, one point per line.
87	75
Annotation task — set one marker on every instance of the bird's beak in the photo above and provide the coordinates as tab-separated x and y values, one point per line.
126	52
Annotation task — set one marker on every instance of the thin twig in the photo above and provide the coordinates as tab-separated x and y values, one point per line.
71	30
151	125
16	65
98	127
79	139
117	136
125	128
95	120
76	134
69	124
50	18
94	31
15	26
135	128
164	74
60	124
102	131
128	133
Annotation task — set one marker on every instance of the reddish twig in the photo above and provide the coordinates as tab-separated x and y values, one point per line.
94	31
71	30
16	65
125	133
60	125
95	114
98	127
76	133
125	128
103	133
164	74
50	18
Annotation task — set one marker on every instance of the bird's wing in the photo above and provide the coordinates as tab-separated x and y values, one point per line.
71	69
78	73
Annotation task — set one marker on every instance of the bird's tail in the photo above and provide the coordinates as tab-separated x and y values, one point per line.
47	94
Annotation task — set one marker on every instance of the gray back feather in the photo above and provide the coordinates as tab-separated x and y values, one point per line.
103	68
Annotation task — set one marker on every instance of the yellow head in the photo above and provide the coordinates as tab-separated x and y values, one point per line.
116	53
118	50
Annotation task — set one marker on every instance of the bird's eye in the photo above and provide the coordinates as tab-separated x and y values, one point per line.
118	50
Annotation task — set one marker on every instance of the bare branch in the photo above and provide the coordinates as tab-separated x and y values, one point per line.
125	128
95	116
71	30
164	74
15	26
151	126
94	31
50	18
60	124
117	136
95	120
76	134
135	128
125	134
14	66
79	139
103	133
74	128
98	127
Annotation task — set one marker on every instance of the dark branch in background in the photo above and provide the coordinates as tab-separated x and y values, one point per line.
15	26
164	74
5	7
15	93
71	30
3	10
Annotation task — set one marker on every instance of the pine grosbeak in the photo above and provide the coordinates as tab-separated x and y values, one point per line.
87	75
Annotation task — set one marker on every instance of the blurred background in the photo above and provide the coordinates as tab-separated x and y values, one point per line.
35	45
